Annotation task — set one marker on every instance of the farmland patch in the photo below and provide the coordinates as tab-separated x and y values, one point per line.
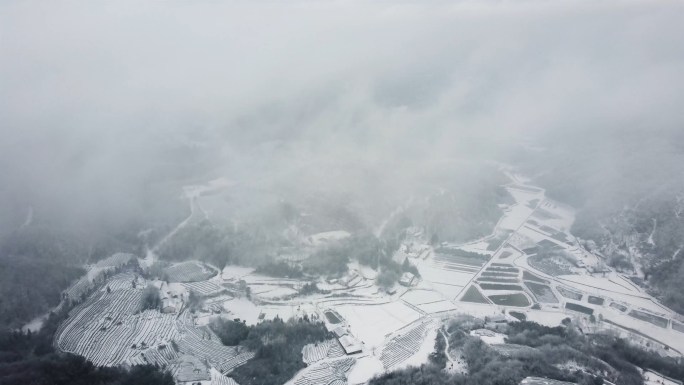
650	318
493	286
474	295
517	299
189	272
553	265
527	276
567	293
579	308
542	293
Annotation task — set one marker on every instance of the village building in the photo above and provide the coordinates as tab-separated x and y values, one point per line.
407	279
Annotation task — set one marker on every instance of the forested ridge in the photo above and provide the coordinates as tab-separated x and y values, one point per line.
538	351
29	358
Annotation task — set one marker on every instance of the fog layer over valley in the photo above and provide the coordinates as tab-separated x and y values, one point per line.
190	175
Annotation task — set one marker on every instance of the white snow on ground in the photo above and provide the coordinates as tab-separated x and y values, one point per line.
328	236
477	247
515	217
489	337
437	307
441	275
546	318
235	272
449	291
278	292
420	296
366	367
36	323
370	324
426	348
655	378
243	309
533	233
598	285
523	196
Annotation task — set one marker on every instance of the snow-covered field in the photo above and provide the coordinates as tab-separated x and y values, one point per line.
371	324
394	330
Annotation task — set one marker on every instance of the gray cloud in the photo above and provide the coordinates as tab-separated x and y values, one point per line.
102	97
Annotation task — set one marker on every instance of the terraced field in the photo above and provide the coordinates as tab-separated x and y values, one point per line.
327	349
404	346
327	373
189	272
108	330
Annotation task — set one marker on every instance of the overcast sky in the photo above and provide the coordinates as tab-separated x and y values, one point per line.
98	91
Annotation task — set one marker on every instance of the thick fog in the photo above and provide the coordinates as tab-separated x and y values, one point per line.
105	104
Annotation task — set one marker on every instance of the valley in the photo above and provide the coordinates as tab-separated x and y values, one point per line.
530	267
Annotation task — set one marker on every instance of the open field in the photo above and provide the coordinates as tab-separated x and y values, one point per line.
370	324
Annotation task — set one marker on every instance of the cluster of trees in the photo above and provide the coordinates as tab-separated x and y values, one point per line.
392	271
39	261
278	346
280	269
31	287
461	253
311	288
151	299
619	194
601	356
231	332
249	245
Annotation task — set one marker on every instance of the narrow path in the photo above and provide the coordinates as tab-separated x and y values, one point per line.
446	346
650	237
195	207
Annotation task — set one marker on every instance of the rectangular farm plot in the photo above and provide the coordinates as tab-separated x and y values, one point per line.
372	323
570	294
459	260
449	291
420	296
436	307
497	280
494	286
440	277
650	318
542	293
678	326
579	308
517	299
